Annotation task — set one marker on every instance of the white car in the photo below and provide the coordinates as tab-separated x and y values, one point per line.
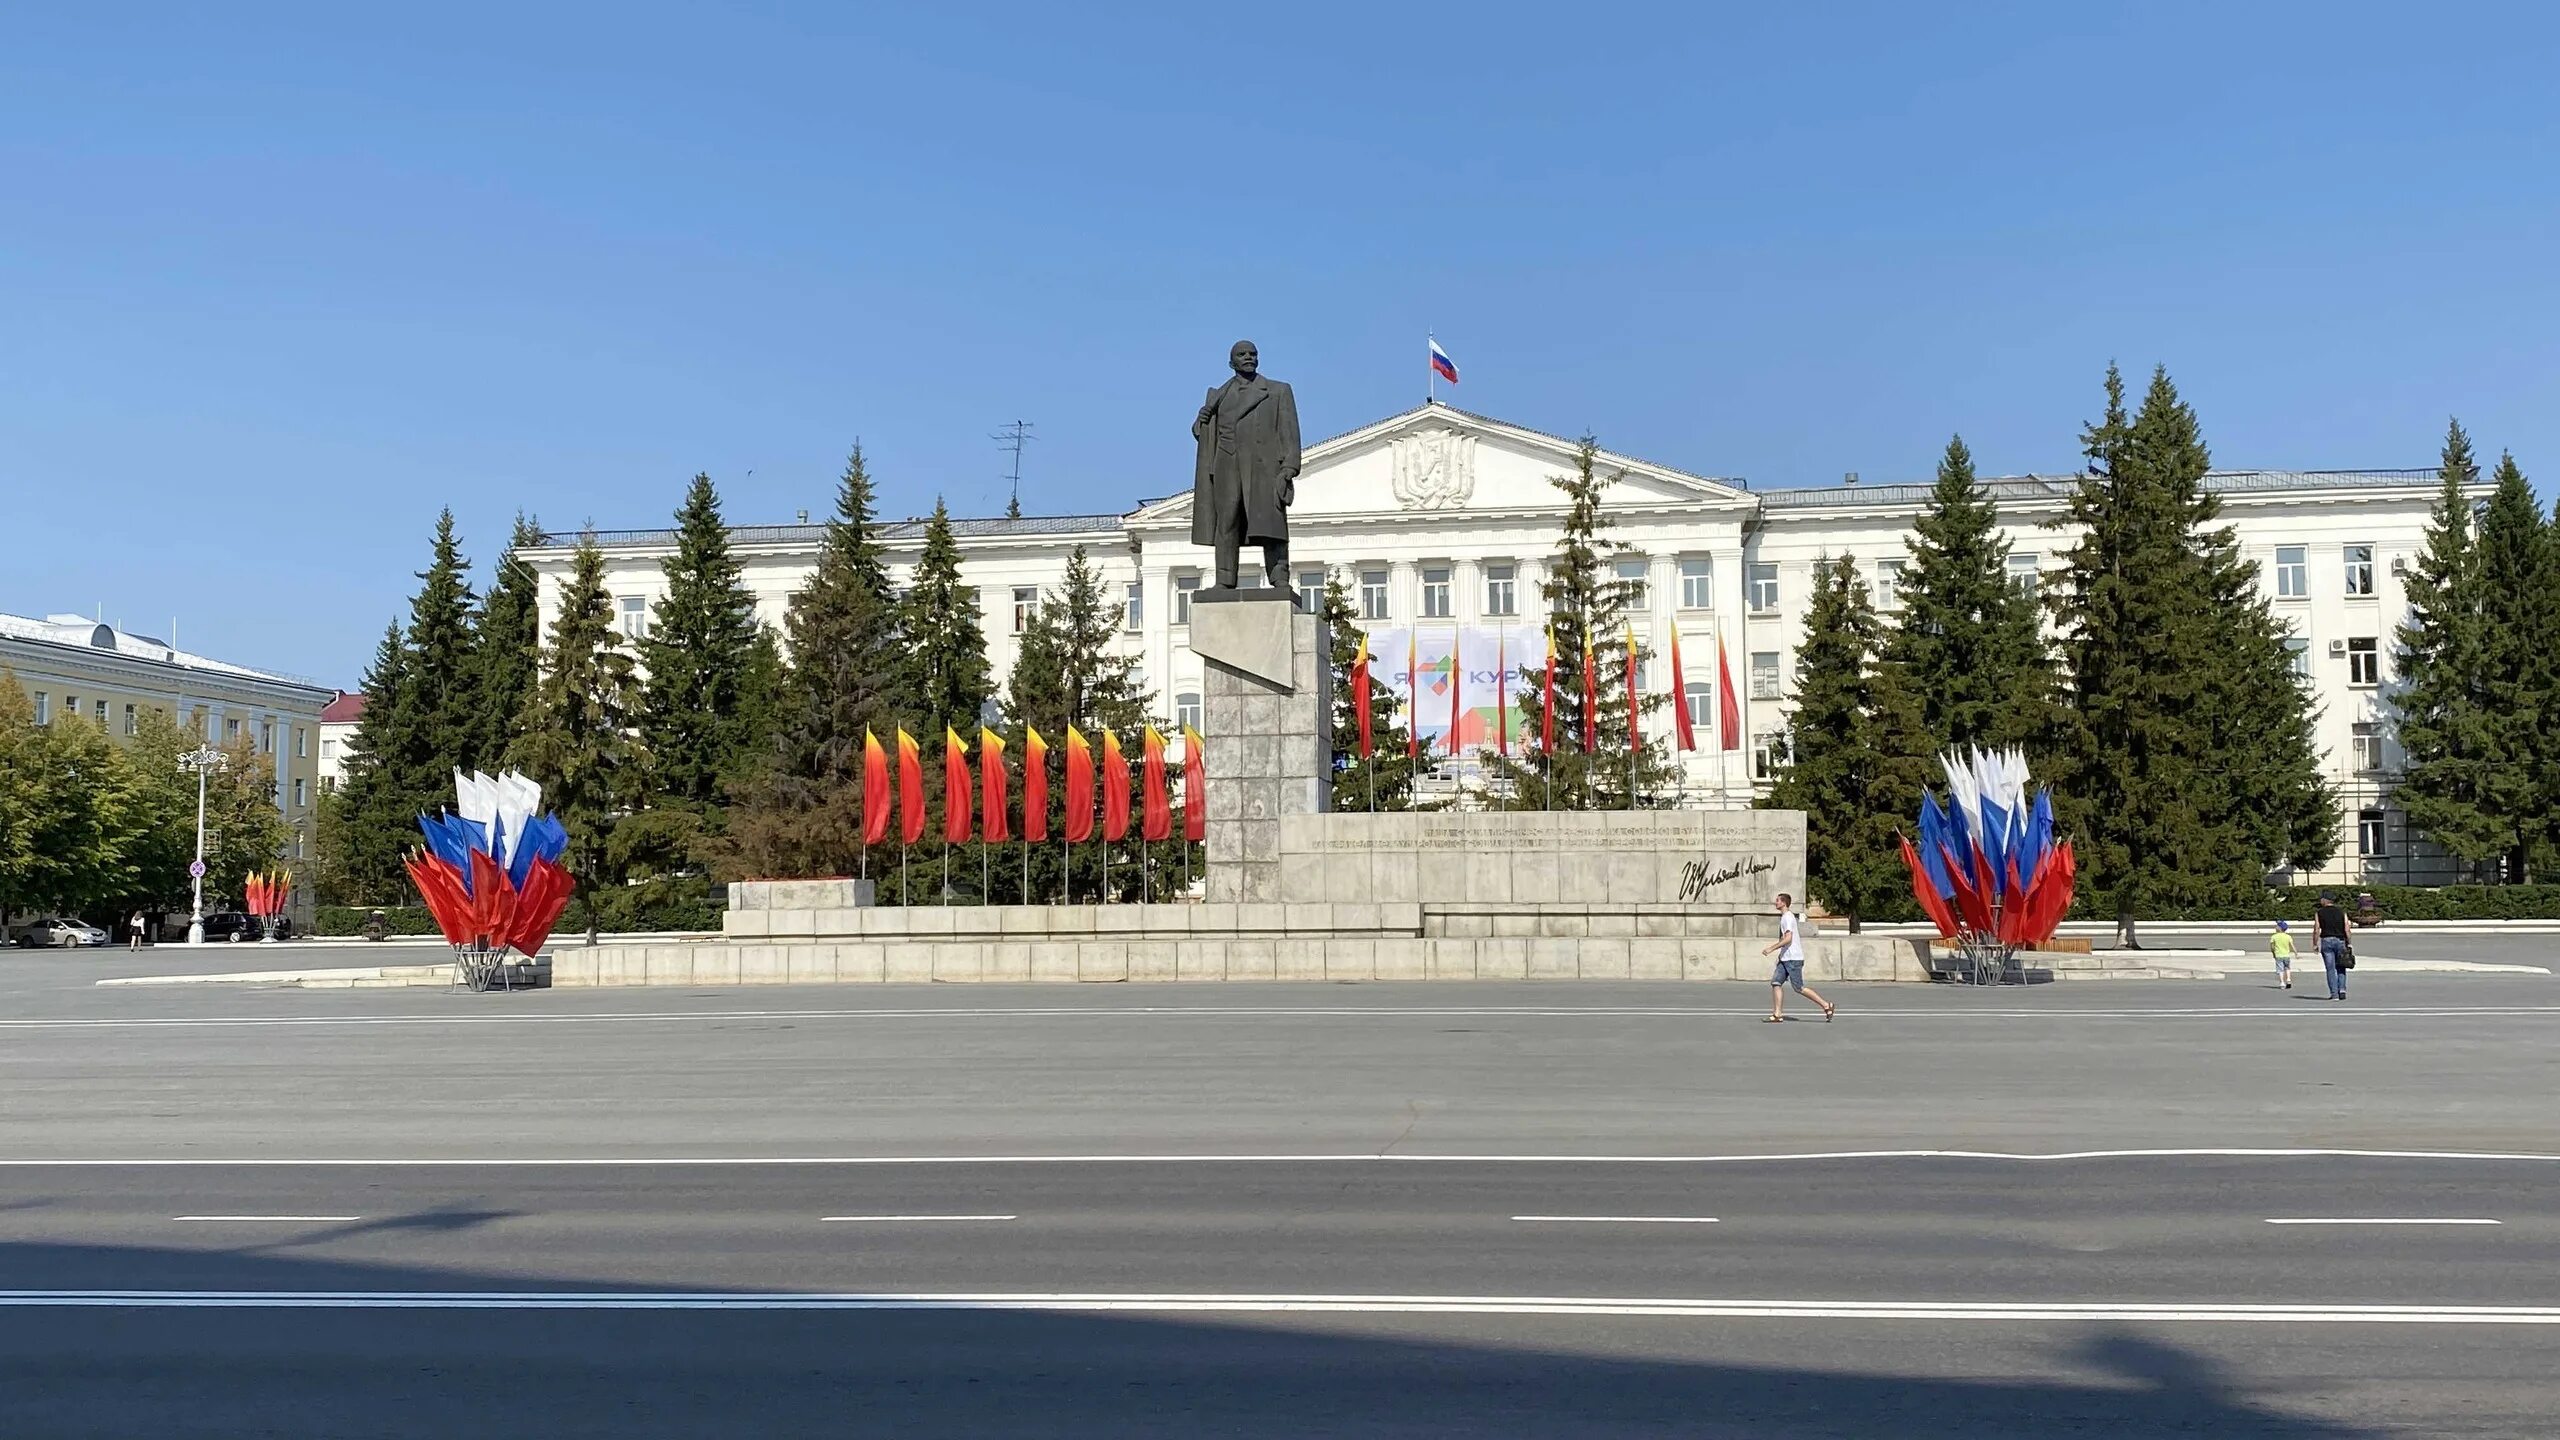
59	934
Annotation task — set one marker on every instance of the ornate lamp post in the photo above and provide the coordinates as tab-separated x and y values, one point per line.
203	760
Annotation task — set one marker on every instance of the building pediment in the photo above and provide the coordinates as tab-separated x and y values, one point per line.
1441	460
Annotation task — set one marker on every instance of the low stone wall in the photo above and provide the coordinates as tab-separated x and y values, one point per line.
1233	957
1455	920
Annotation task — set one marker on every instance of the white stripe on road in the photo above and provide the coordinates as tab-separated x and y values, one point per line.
1233	1012
2373	1220
266	1219
852	1219
1617	1219
1674	1308
1339	1157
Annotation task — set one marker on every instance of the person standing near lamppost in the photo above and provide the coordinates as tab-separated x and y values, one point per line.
203	760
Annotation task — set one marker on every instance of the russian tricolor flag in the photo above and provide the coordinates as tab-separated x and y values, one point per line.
1440	362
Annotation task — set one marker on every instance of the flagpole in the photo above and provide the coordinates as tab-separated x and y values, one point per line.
1430	372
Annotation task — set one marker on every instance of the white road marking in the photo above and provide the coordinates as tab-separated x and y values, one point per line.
2374	1220
1340	1157
1933	1311
265	1219
1232	1012
1618	1219
887	1218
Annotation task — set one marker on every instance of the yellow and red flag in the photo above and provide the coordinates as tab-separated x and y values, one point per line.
1195	778
875	789
991	786
910	789
1635	723
955	787
1079	787
1682	734
1035	785
1155	817
1359	694
1115	788
1728	704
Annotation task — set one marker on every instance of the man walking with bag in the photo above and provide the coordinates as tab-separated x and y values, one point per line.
1789	948
2337	950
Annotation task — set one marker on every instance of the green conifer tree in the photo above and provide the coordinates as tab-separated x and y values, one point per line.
1384	781
377	806
947	681
1969	638
803	814
1586	603
2519	615
1069	669
423	719
700	657
1856	752
577	738
506	644
2443	722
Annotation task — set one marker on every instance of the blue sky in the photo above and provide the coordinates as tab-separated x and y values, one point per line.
276	285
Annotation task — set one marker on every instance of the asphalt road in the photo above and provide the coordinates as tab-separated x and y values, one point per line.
1283	1211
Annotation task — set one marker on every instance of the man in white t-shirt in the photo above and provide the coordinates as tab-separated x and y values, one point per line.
1789	948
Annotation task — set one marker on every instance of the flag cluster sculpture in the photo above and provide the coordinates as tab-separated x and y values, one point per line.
265	896
490	870
1986	868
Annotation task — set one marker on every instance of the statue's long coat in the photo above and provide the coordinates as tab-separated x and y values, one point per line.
1248	452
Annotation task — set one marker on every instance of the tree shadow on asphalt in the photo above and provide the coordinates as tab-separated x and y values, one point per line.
224	1371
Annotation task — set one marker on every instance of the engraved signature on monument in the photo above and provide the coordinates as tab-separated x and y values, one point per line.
1696	879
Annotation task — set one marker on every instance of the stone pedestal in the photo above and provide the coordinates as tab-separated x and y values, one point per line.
1267	727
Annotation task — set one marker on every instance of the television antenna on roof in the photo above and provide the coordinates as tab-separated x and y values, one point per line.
1012	437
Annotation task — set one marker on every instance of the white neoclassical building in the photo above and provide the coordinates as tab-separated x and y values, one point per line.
1440	521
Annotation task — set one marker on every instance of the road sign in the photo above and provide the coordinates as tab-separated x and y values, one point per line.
195	870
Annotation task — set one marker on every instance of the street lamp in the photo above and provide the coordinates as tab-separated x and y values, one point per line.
204	761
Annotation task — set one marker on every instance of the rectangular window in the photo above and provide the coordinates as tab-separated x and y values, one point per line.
1026	599
1186	709
2293	573
2365	746
328	786
102	721
1184	587
1631	583
301	791
635	616
1136	618
1763	577
132	720
1765	750
230	728
2360	570
297	844
266	737
301	742
2372	840
1435	592
1700	698
1502	589
2297	656
1373	594
1764	674
2364	662
71	706
1311	585
2022	574
1889	584
328	748
1697	583
44	708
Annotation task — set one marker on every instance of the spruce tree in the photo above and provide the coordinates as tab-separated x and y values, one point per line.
700	656
1856	756
947	678
445	728
506	644
803	814
377	806
2443	726
1586	603
577	741
1384	781
1970	640
2519	616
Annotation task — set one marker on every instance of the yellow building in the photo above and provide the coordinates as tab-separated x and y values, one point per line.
72	665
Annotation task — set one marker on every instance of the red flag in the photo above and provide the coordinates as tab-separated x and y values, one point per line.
1590	697
1635	722
1502	693
1360	694
1547	696
1683	733
991	786
1728	704
1195	777
955	787
1413	710
875	789
1457	687
1115	788
1156	810
1035	785
1932	904
910	789
1079	787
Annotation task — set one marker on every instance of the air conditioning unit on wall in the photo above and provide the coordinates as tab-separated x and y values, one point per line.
2399	564
2337	647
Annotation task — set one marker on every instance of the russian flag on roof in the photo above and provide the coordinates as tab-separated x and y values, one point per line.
1440	361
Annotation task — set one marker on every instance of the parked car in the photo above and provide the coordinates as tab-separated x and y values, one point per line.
232	926
58	933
